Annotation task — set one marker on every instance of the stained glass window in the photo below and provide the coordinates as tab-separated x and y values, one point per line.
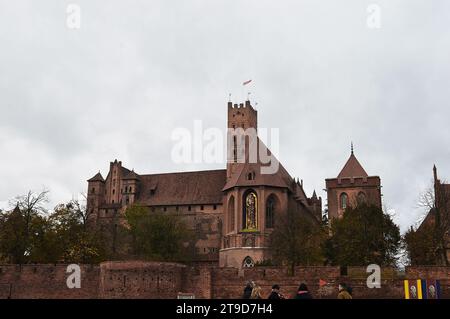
250	211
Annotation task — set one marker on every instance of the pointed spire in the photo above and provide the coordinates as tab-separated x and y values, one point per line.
435	173
352	168
17	208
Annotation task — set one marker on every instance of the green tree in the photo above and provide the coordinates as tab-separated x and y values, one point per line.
156	236
70	235
21	227
27	234
364	235
422	246
296	240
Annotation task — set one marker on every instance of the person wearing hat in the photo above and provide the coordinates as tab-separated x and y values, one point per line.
303	292
275	294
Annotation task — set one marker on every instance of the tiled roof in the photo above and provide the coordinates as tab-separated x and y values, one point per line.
131	175
352	168
97	178
185	188
280	178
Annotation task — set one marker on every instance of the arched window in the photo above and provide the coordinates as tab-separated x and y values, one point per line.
248	262
231	214
250	211
270	212
361	198
344	200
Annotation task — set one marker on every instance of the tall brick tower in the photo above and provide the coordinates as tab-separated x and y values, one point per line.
240	116
95	196
351	186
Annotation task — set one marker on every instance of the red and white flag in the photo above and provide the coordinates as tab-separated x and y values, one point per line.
246	82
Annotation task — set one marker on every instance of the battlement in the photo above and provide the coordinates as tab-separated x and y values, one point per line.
247	104
242	116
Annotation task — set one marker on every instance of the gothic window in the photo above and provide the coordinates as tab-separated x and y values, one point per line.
361	197
344	200
93	190
248	262
114	191
250	210
270	212
231	220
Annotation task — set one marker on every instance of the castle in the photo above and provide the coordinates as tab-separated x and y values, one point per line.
233	210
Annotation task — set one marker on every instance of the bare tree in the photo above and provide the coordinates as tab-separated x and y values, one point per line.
29	206
436	200
79	209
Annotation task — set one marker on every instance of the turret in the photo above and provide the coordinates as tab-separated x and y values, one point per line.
95	194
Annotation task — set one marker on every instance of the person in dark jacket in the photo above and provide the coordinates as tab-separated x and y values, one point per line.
248	290
275	294
303	292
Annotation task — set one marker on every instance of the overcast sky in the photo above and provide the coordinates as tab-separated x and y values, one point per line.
72	100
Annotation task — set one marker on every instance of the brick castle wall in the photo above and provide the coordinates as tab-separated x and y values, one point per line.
46	281
137	279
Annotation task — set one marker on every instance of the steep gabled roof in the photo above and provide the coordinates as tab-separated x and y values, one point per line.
97	178
131	175
352	168
280	178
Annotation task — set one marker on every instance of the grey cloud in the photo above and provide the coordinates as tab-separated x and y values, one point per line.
135	71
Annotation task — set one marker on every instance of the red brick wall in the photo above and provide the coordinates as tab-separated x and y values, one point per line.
229	283
136	279
46	281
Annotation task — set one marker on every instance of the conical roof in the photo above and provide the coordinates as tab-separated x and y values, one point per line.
97	178
352	168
